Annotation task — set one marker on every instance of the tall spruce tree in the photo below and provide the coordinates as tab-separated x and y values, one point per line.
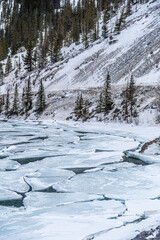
99	107
35	57
29	58
19	65
42	52
120	22
125	102
122	17
75	30
131	95
51	45
1	75
128	10
107	102
104	26
85	112
51	52
28	96
95	33
104	31
15	108
23	100
1	104
42	56
8	67
7	103
85	41
81	109
79	105
40	104
56	53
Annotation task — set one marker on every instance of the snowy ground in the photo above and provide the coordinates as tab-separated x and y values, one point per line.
69	181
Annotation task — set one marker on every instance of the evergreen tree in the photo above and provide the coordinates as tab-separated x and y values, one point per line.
16	73
85	41
35	57
51	44
117	26
128	10
1	104
7	103
29	59
1	75
99	107
85	111
125	102
97	29
104	31
40	104
158	97
28	96
42	54
3	48
79	106
95	34
131	95
122	16
15	101
79	102
104	26
56	53
23	100
19	64
3	99
120	22
129	101
75	31
51	52
107	102
8	67
81	109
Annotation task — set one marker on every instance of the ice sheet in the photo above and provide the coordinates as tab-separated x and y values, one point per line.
66	182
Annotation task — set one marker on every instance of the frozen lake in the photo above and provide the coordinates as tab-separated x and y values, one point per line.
59	182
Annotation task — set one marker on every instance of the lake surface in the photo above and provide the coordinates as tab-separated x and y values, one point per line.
59	182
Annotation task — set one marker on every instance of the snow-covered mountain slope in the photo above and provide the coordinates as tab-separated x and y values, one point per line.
135	49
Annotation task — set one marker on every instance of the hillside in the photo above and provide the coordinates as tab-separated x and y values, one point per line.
132	50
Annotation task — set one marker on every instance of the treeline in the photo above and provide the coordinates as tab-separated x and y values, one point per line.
44	23
108	108
104	108
106	104
21	104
